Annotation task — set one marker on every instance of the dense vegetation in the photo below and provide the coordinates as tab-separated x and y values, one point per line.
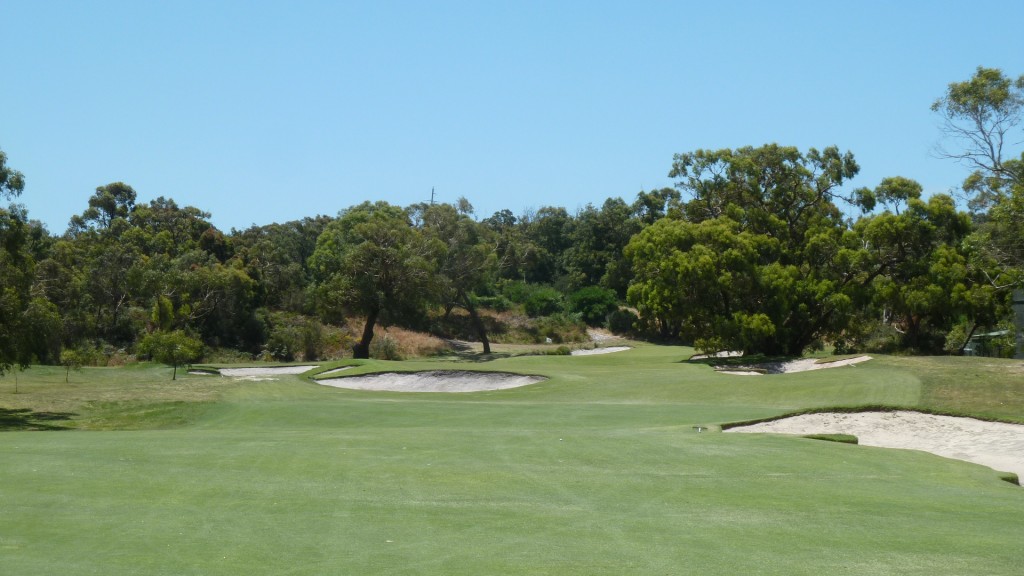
755	249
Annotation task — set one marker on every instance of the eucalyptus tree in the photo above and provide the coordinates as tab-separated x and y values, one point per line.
760	261
467	259
983	126
920	275
16	266
372	261
982	122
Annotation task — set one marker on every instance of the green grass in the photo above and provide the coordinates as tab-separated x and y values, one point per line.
598	470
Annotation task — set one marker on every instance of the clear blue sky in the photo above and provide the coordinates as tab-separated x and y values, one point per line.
263	112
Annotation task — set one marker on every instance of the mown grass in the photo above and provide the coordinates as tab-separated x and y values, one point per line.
598	470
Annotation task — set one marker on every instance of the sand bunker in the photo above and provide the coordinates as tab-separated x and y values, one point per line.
993	444
593	351
435	381
801	365
265	373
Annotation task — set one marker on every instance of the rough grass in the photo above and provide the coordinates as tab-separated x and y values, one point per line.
598	470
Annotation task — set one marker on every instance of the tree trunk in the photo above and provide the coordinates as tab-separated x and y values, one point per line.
967	340
362	348
481	331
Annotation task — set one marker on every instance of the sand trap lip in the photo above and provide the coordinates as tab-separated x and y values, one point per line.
801	365
265	371
432	381
334	371
592	351
994	444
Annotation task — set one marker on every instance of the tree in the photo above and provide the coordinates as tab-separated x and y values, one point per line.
982	119
761	262
16	265
921	279
980	115
372	261
597	237
467	258
109	204
172	348
74	359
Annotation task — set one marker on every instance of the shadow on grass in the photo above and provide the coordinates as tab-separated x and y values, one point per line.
26	419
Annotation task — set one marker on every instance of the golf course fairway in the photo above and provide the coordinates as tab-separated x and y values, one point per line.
599	469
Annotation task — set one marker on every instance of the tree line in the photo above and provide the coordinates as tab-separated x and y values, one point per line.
760	249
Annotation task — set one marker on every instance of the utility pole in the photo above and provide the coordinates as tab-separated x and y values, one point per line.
431	195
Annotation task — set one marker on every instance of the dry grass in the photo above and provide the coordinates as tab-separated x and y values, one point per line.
414	344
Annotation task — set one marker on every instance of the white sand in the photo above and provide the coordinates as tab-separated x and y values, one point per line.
801	365
266	371
722	354
993	444
593	351
435	381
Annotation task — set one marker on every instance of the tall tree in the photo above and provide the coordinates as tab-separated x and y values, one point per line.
983	121
467	258
763	250
372	261
980	117
921	279
15	269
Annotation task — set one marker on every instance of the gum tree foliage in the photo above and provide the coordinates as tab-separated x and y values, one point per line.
126	268
372	261
981	121
276	257
921	280
16	268
983	125
594	255
467	258
759	259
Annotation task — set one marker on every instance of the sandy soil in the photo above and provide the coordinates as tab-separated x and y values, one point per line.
435	381
993	444
593	351
801	365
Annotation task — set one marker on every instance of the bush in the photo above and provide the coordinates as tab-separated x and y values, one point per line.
497	303
593	304
559	328
292	336
544	301
516	291
622	321
384	347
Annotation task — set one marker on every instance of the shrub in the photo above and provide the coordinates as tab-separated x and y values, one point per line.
622	321
559	328
544	301
497	303
593	304
560	351
384	347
